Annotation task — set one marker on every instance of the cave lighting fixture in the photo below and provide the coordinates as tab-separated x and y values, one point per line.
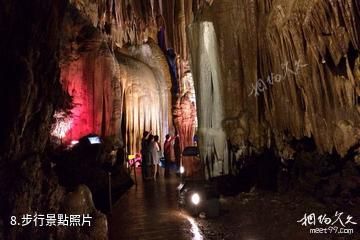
196	195
94	140
195	198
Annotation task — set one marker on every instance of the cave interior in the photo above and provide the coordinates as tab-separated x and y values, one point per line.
268	90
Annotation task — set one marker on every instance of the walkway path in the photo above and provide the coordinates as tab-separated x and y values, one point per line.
149	211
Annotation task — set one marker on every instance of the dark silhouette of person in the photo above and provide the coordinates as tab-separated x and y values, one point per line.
120	156
145	155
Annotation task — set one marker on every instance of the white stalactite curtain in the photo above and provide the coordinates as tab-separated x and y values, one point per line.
142	114
143	102
209	97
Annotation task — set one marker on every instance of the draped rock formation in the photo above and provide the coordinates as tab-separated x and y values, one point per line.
99	37
90	76
64	79
151	54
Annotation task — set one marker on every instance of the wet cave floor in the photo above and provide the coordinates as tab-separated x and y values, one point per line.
149	211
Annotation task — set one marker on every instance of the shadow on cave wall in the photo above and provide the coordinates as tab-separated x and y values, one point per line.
327	177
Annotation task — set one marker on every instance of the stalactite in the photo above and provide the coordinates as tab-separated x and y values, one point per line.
207	77
152	55
118	23
161	7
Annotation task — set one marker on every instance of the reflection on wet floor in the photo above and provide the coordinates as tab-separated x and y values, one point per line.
194	229
150	211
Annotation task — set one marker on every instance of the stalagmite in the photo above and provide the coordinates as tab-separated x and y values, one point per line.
207	78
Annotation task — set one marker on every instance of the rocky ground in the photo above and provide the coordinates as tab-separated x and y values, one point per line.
267	216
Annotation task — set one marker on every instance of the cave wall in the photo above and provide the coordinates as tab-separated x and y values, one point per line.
310	50
30	93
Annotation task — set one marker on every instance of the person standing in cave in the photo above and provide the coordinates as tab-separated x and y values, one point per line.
145	155
155	154
169	152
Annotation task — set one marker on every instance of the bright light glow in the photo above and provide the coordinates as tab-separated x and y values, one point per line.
62	125
74	142
195	198
182	169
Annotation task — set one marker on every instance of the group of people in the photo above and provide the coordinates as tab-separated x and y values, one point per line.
151	152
